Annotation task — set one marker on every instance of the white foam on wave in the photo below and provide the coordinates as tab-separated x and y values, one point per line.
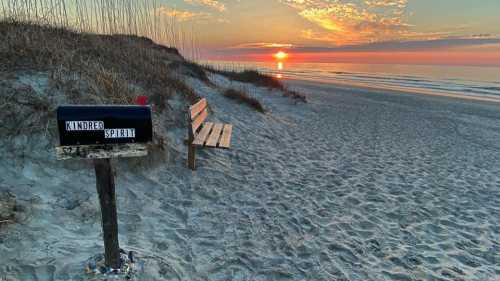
453	80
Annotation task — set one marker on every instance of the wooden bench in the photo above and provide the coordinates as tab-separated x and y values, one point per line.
205	134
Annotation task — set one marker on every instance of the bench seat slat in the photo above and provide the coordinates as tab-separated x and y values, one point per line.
213	139
199	121
202	136
197	108
225	140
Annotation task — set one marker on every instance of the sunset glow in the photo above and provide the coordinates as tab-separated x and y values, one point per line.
280	55
419	31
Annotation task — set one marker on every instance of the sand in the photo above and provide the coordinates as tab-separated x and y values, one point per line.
399	89
357	184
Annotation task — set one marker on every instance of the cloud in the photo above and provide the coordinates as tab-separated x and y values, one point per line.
387	46
387	3
342	22
261	46
214	4
181	15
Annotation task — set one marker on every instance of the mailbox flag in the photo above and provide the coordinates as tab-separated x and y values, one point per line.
141	100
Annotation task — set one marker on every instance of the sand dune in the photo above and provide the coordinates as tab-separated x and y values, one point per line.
354	185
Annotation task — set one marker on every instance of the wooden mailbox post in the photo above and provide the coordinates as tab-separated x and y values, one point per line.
101	133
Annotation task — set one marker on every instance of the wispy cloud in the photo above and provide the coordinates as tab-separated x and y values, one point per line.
181	15
387	46
261	45
214	4
387	3
344	22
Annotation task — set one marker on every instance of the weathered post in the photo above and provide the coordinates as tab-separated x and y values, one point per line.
105	184
191	147
191	155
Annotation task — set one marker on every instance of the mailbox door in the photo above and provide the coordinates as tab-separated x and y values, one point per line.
86	125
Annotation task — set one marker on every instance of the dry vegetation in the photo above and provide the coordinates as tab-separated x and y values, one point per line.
89	51
258	79
96	52
295	95
81	68
242	97
250	76
7	208
143	18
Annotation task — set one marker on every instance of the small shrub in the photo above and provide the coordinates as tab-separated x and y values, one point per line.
250	76
295	95
190	68
243	97
180	86
259	79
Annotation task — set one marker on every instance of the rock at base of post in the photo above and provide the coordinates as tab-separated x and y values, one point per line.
129	270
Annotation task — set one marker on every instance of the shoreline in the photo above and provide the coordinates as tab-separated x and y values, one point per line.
394	90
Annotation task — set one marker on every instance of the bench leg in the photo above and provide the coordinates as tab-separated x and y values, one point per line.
191	157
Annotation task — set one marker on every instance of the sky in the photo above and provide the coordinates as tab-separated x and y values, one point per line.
451	32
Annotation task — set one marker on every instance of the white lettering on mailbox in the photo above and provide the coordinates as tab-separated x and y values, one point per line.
119	133
84	126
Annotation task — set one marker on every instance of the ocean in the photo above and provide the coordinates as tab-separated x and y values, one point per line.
462	80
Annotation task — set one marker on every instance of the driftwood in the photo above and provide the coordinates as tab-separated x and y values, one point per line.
101	151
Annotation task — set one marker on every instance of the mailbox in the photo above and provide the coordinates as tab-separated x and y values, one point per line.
113	124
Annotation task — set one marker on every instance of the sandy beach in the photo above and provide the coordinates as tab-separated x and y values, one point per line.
356	184
490	98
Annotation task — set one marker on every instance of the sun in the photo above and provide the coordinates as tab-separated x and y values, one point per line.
280	55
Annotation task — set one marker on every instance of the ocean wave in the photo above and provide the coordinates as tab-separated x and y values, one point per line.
464	82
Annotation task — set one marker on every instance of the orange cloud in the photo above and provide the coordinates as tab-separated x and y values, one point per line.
262	45
214	4
455	57
387	3
348	22
180	15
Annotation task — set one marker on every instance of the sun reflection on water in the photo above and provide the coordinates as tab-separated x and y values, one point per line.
279	67
280	57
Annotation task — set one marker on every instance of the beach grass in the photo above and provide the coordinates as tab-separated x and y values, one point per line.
190	68
81	68
143	18
258	79
251	76
115	68
103	31
100	52
243	97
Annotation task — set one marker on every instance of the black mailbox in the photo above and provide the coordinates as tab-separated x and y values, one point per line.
86	125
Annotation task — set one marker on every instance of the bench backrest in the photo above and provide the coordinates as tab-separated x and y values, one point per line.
198	112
